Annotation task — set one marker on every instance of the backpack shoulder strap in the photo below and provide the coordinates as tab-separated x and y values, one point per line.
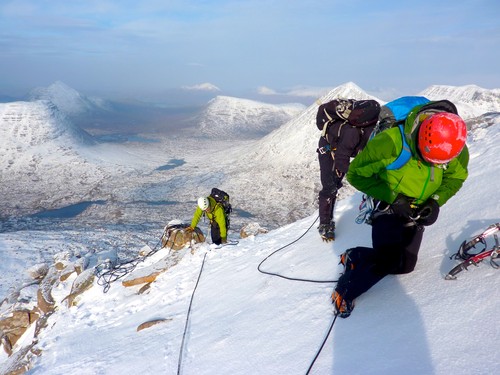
405	154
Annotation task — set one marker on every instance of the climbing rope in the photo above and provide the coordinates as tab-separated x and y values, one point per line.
188	316
305	280
108	273
284	247
322	344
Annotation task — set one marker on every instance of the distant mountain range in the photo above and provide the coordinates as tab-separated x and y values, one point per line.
47	161
288	154
230	117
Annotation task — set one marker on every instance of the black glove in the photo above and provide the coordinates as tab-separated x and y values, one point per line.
428	212
402	207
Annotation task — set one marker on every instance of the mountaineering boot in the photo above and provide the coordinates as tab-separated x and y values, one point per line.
346	261
343	307
327	231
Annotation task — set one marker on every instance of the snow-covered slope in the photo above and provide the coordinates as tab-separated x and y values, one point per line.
66	99
282	165
40	152
48	162
471	100
226	317
285	164
293	142
227	117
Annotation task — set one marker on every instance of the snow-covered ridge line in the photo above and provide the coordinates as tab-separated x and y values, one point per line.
229	117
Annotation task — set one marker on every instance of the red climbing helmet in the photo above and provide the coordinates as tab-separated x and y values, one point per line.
441	137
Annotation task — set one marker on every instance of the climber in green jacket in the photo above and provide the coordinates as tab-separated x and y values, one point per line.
406	199
215	213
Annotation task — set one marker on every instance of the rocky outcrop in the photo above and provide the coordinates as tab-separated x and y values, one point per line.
252	229
149	273
176	239
34	303
176	236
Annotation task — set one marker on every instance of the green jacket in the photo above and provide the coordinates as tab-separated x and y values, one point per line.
416	179
216	213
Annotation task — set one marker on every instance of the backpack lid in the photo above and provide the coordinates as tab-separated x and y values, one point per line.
398	109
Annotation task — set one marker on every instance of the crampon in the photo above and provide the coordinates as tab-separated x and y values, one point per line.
469	255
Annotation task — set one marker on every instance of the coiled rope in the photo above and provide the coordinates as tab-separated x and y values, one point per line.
107	273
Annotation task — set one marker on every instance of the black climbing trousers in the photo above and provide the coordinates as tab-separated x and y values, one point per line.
330	183
215	233
395	251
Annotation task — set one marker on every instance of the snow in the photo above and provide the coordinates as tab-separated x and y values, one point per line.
243	321
249	119
471	100
66	98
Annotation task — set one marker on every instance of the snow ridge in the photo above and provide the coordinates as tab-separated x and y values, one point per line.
229	117
67	99
471	100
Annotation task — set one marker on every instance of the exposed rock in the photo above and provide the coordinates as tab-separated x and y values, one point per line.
252	229
152	323
41	323
67	271
175	236
38	271
149	273
34	303
82	283
5	343
62	257
13	326
145	251
19	362
46	302
81	264
62	264
144	288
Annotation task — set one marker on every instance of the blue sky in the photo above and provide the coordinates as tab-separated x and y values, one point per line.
236	47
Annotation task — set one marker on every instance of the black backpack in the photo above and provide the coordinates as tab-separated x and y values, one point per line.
361	114
222	198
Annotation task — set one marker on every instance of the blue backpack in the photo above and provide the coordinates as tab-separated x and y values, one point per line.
394	114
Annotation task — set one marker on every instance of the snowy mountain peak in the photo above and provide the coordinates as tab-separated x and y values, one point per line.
66	99
347	90
229	117
302	130
36	123
39	158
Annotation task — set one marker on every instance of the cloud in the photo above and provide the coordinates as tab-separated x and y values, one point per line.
263	90
202	87
309	92
299	91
